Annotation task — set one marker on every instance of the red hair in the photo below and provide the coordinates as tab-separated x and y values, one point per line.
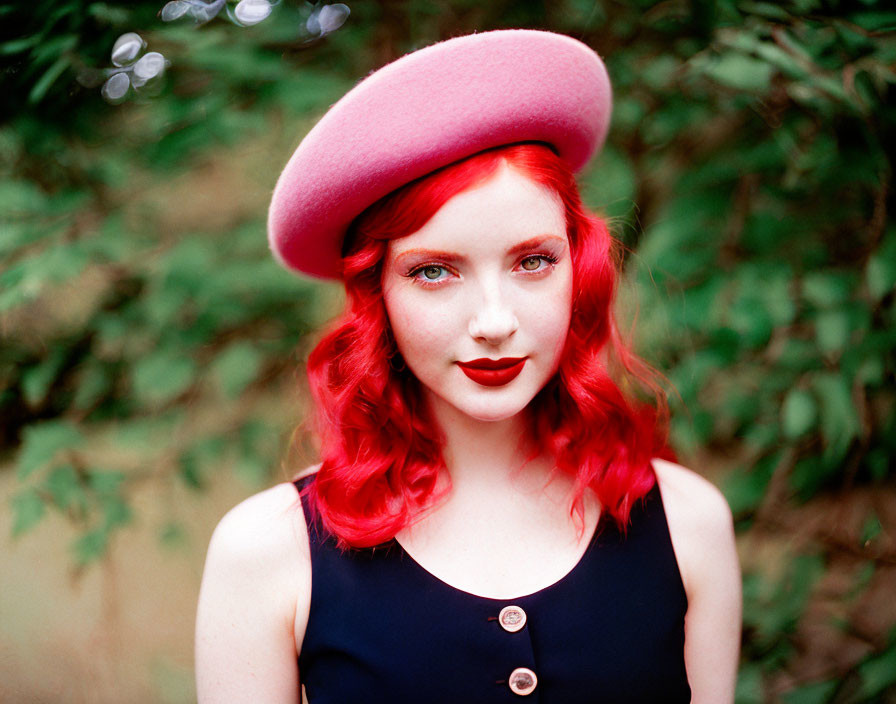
381	450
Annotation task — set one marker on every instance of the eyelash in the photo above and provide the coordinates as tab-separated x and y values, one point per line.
414	273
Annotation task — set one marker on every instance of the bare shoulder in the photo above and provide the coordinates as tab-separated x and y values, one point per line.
265	523
699	519
259	549
702	535
270	521
690	497
254	601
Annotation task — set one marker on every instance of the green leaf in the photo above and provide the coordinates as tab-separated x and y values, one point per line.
814	693
36	380
751	319
64	487
50	48
42	442
880	273
12	237
774	291
16	46
162	376
112	335
162	307
861	581
257	444
190	470
762	435
253	469
16	287
144	435
105	482
839	420
236	367
21	197
749	685
745	488
94	381
875	21
172	535
60	264
878	672
798	355
107	14
765	9
832	330
43	84
27	510
741	72
879	462
798	413
116	511
871	529
808	475
90	546
785	606
611	184
788	64
826	289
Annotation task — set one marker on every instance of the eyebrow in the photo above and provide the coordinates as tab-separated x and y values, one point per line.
451	257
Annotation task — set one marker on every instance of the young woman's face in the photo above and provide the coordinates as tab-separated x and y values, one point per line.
480	297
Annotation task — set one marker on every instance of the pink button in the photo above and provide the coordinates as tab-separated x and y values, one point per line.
522	681
512	618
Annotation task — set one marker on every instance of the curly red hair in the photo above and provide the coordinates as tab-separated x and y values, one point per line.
380	447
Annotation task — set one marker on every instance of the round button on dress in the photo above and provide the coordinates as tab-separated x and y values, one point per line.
512	618
522	681
364	641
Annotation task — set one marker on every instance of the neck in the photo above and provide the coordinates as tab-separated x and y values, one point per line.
485	452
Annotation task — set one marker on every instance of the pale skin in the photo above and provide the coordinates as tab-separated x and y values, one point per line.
500	517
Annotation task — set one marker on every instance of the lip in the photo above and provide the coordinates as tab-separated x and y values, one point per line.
493	372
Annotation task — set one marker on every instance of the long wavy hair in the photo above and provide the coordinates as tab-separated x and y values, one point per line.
381	449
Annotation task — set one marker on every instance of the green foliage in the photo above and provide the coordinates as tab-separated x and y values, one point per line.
772	608
748	172
878	674
762	137
114	322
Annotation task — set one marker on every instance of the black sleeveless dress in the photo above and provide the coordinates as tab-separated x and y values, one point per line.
383	629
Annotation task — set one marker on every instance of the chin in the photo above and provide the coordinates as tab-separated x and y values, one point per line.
495	415
491	409
483	404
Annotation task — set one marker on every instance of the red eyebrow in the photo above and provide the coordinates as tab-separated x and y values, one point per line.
534	243
430	254
450	257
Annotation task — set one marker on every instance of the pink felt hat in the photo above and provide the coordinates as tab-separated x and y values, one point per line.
428	109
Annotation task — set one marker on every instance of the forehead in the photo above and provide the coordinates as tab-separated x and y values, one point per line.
507	208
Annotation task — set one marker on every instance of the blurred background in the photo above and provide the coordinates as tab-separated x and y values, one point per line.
151	351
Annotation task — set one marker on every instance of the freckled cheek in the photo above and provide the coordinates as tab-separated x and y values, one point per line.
421	330
550	331
548	317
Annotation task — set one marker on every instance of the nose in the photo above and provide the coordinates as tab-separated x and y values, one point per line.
493	320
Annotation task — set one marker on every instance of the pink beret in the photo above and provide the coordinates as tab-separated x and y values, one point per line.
428	109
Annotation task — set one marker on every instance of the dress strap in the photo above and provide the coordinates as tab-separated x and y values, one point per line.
304	486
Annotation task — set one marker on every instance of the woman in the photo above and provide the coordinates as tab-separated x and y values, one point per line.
491	518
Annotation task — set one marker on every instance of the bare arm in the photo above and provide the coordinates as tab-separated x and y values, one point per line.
253	604
703	537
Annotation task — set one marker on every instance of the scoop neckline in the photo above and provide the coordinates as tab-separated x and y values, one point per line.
601	528
604	528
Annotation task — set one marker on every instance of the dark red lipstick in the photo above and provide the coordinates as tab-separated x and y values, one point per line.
493	372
